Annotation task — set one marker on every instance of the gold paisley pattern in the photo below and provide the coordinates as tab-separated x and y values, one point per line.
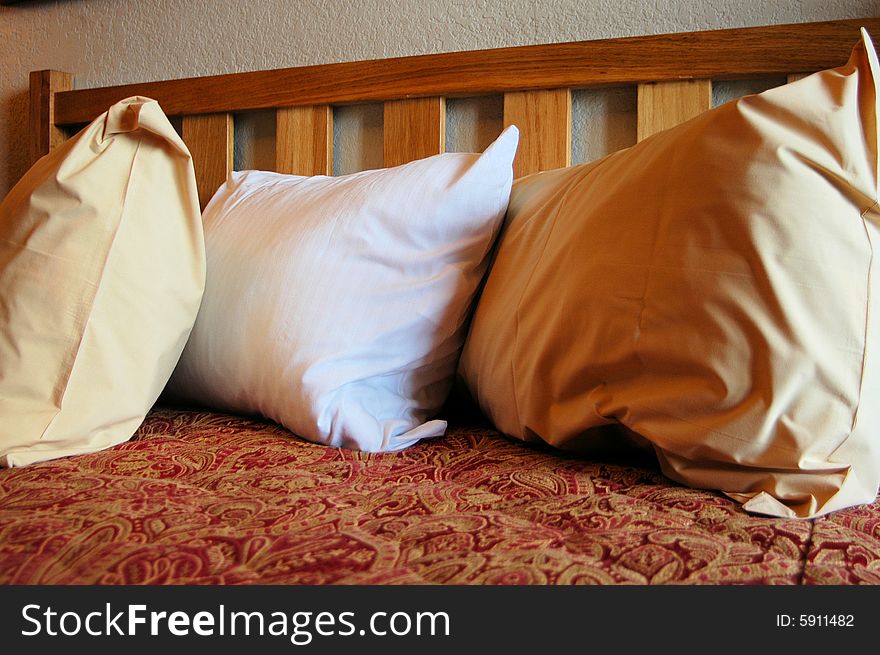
206	498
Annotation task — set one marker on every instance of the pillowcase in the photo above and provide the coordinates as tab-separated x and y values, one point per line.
337	306
101	275
711	289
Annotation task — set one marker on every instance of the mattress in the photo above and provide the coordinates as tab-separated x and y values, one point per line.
206	498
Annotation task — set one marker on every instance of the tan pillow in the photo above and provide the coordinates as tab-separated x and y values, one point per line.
712	289
101	275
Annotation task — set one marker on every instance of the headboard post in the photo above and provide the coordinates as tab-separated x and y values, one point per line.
662	105
44	134
209	138
544	121
413	128
304	140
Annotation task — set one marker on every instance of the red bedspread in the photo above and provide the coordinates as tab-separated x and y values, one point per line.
203	498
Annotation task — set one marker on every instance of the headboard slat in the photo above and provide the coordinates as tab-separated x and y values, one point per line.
210	141
414	128
304	140
544	122
666	104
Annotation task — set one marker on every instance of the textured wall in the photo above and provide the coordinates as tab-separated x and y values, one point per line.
119	41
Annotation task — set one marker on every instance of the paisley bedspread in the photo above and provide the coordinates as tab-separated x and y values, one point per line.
205	498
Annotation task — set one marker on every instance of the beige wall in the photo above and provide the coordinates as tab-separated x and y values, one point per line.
119	41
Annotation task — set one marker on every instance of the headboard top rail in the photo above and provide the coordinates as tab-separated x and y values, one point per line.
716	54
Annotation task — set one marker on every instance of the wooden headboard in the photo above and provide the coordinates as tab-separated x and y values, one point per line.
673	73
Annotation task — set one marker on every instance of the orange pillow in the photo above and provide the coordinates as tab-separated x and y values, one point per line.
713	290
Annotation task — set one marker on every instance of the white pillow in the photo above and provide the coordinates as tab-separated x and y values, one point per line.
338	306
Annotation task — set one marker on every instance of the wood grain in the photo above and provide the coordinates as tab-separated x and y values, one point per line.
717	54
209	138
666	104
304	140
414	129
44	87
544	122
794	77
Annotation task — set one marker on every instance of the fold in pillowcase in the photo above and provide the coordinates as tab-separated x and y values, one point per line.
337	305
714	290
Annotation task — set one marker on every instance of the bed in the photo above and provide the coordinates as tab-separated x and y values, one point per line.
204	497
